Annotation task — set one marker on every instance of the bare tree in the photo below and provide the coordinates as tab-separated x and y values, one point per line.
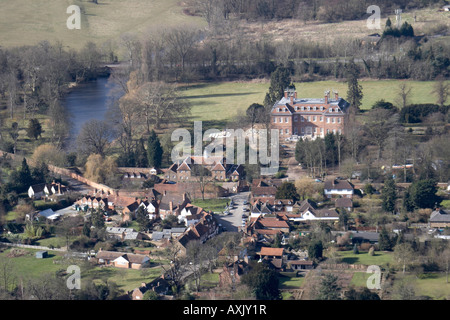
158	102
181	41
441	90
403	94
379	123
94	137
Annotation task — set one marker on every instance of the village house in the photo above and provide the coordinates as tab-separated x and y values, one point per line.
336	188
203	230
217	169
272	255
344	203
308	117
122	259
40	190
259	208
439	218
308	211
160	285
265	189
123	234
232	273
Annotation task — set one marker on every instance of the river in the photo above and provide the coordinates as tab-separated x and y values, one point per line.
87	101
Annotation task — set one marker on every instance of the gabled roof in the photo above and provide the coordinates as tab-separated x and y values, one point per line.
440	215
267	251
344	203
338	185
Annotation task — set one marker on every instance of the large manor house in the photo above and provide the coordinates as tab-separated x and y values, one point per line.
309	117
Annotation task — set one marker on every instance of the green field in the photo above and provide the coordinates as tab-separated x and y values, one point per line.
28	267
219	102
215	205
380	258
29	22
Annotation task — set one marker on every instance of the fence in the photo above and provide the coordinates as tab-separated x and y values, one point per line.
28	246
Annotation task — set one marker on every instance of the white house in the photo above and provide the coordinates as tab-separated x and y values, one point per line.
312	214
39	190
338	188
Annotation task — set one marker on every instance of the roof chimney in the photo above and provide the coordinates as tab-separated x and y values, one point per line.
171	205
327	95
336	95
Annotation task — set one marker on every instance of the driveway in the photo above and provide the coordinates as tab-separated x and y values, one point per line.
233	221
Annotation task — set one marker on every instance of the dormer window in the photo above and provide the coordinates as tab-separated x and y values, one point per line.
309	108
321	108
331	109
303	108
315	108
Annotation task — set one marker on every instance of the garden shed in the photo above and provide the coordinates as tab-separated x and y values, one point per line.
41	254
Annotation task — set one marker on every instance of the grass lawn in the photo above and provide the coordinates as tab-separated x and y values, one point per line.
27	266
431	284
126	279
379	258
290	282
215	205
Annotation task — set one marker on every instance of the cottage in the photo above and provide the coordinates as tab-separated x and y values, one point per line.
439	218
38	191
160	286
338	188
344	203
122	260
300	265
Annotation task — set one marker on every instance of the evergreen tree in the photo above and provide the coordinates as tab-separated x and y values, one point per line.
315	250
154	150
329	288
384	241
24	178
354	92
141	154
287	190
34	129
422	194
280	79
389	195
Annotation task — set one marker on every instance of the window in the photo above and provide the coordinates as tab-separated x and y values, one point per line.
303	108
328	120
315	108
339	131
286	119
314	118
295	118
308	108
309	118
302	130
334	131
321	130
332	120
328	130
321	108
315	130
287	131
339	120
296	108
278	109
302	118
321	119
331	109
274	120
281	131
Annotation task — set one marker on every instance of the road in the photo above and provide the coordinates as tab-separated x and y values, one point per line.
233	222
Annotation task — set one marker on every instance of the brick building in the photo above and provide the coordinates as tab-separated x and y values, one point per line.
309	117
